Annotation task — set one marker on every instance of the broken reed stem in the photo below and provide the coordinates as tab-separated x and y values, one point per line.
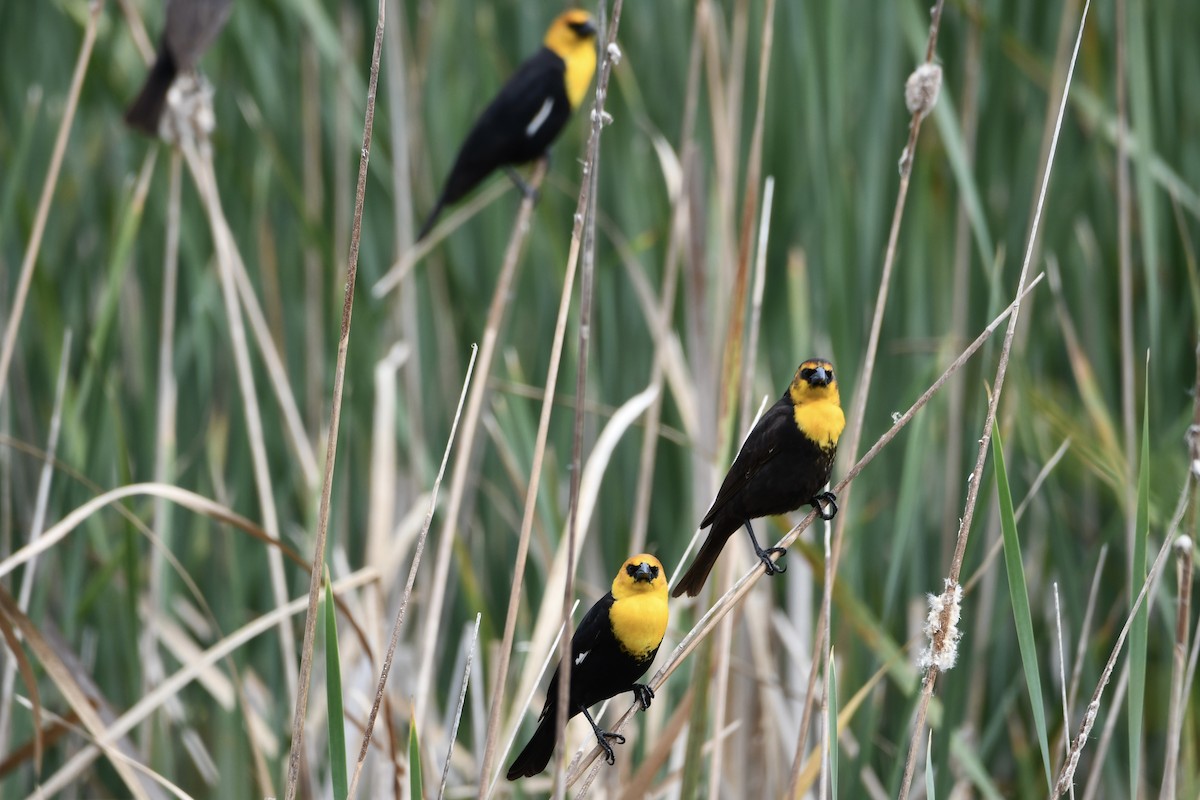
412	579
857	414
609	55
985	439
335	415
13	326
727	602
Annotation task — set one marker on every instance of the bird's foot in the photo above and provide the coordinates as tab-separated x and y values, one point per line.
773	567
644	695
531	194
764	556
826	505
602	739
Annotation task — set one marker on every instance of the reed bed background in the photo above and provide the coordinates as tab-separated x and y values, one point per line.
165	404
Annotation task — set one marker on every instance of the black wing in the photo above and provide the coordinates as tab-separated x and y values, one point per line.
774	429
593	629
518	125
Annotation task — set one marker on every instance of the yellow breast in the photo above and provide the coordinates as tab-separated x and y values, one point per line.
821	421
639	622
581	65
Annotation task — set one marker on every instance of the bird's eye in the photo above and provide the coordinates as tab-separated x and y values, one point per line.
807	372
631	569
829	372
653	572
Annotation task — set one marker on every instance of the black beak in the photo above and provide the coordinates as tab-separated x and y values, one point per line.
586	28
643	573
819	377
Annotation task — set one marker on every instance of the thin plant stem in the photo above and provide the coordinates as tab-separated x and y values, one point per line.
40	506
335	415
412	579
857	415
497	311
486	780
985	438
13	325
584	228
199	159
462	700
1183	612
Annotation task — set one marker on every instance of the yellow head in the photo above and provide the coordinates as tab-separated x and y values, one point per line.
572	37
641	574
816	404
639	611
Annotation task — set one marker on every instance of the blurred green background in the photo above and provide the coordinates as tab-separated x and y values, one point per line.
290	84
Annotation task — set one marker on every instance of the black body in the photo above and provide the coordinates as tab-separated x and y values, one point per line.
190	28
501	137
778	470
606	671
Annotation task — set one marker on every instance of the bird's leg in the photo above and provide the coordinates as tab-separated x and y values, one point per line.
821	501
644	695
602	737
765	555
530	193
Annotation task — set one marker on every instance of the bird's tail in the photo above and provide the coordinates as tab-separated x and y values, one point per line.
143	114
536	755
693	580
431	219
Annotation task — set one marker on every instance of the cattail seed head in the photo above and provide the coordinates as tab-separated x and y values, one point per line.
941	626
921	89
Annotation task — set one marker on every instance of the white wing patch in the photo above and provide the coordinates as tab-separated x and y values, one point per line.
579	658
539	119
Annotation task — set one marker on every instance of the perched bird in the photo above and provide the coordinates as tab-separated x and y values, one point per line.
613	646
190	28
529	112
783	464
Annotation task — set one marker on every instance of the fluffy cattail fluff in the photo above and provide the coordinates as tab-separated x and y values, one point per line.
941	626
921	89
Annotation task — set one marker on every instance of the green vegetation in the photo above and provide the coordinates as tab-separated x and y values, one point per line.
159	615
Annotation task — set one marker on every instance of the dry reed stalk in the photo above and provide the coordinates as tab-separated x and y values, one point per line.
199	159
960	290
335	414
106	736
1183	611
40	506
497	312
1125	285
1187	499
412	579
941	642
608	57
164	445
575	466
923	102
29	261
462	700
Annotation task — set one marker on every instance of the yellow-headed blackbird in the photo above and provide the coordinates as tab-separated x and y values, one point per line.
190	28
528	113
613	646
783	464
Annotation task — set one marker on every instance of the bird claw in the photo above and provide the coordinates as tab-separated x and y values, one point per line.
773	568
603	738
821	501
644	695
